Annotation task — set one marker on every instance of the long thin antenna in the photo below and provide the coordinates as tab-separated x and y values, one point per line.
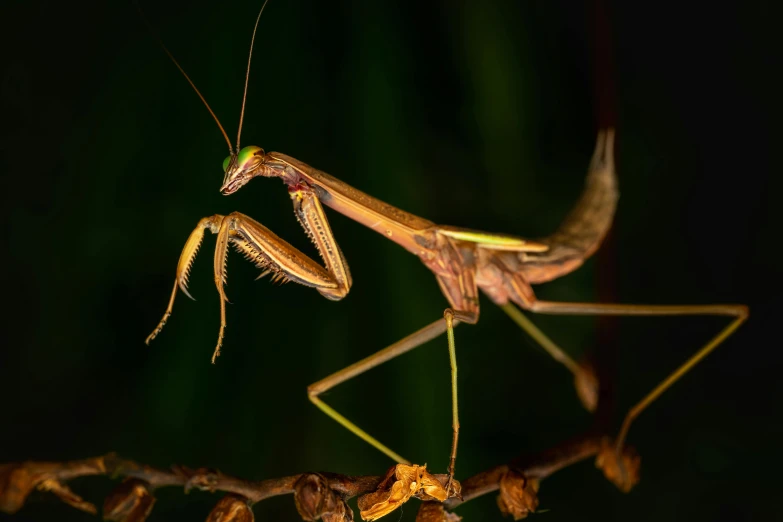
160	41
247	73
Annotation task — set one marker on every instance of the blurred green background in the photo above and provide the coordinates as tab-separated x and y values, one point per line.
477	114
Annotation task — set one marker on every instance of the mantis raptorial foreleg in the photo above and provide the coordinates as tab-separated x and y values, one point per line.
268	252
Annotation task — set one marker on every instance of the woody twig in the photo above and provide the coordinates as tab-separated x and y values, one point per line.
316	495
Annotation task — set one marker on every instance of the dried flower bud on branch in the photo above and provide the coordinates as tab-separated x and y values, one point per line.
518	495
314	499
231	508
131	501
399	485
621	469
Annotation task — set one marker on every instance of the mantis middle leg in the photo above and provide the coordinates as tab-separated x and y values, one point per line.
463	296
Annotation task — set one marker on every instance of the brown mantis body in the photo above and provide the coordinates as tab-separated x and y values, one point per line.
463	261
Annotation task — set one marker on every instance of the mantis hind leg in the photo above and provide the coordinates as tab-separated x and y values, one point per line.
739	312
623	479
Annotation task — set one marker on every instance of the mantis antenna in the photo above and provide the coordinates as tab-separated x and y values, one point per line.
171	56
247	74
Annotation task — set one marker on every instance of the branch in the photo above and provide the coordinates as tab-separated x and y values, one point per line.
316	495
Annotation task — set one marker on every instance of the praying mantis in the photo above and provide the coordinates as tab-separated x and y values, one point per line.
504	267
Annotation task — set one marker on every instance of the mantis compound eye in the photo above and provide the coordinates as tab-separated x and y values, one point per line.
247	157
242	167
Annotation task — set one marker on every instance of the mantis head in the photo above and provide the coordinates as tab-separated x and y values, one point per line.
241	167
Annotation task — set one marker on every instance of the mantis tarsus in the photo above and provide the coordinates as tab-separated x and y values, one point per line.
463	261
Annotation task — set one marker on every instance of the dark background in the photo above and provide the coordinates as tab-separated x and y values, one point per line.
473	114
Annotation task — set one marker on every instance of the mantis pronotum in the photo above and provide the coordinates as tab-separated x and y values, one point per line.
503	266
